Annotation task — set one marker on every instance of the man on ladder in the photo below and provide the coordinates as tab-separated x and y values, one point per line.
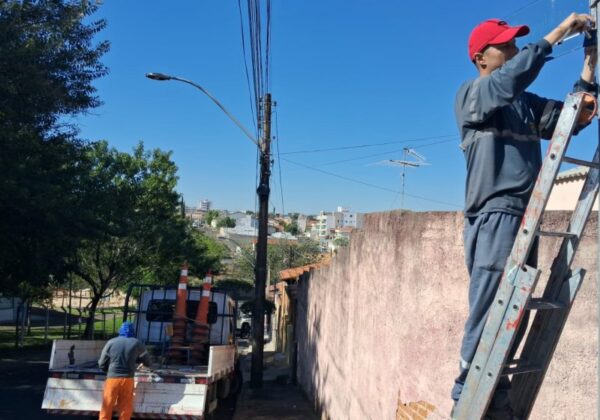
501	126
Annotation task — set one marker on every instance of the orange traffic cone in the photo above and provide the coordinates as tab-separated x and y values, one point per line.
200	337
179	318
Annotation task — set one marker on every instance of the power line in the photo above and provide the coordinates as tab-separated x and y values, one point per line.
520	9
252	103
279	160
566	52
268	50
356	181
362	146
385	153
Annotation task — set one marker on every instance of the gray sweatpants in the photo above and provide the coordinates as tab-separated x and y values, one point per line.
488	239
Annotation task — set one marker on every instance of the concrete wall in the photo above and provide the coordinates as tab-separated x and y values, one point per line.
379	329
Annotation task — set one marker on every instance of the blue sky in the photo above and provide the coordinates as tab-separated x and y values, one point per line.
344	73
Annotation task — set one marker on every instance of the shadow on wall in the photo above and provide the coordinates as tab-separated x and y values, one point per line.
313	383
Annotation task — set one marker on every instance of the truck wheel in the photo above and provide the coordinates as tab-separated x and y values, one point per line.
223	388
238	379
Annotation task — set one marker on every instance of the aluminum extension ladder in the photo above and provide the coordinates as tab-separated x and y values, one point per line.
518	283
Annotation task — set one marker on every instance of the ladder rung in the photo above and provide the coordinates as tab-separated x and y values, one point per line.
520	370
557	234
580	162
539	303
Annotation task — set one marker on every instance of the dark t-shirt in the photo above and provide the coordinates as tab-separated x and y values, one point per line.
121	355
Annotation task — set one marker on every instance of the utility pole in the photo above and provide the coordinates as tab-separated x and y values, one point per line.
258	313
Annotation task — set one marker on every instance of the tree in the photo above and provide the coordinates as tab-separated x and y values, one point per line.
226	222
248	307
292	228
210	216
282	255
237	289
341	241
136	233
48	64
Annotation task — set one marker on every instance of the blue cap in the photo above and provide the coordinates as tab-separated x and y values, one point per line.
127	329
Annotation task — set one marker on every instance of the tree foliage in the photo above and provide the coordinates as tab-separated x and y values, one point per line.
48	63
136	233
292	228
341	241
248	307
227	222
238	289
280	256
210	216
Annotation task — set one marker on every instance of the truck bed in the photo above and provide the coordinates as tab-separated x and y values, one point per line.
168	390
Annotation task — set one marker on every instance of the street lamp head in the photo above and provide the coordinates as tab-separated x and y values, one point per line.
158	76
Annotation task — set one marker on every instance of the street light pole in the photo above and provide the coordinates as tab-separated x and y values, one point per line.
258	313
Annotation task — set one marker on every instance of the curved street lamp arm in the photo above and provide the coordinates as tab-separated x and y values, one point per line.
216	101
162	77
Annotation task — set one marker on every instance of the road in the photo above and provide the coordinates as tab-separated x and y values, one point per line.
23	377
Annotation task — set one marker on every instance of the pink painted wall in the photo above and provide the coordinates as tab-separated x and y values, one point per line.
381	326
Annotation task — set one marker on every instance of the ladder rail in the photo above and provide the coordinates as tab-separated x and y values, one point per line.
484	373
526	388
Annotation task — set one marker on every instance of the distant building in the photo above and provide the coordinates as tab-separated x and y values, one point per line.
326	223
205	205
284	235
238	216
301	222
246	226
330	224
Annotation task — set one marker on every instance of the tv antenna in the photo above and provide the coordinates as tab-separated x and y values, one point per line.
417	161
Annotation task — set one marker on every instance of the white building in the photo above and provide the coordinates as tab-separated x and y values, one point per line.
301	222
326	223
330	223
205	205
354	220
284	235
246	226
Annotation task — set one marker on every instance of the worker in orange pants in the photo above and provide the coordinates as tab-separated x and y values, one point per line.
119	359
117	392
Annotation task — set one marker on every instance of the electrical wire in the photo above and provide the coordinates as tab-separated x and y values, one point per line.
279	161
362	146
268	48
252	103
520	9
356	181
385	153
567	52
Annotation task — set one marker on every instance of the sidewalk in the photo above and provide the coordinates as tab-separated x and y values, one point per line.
277	399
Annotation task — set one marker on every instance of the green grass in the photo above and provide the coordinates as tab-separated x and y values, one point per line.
37	339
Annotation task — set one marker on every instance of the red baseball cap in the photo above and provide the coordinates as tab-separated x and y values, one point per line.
493	32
